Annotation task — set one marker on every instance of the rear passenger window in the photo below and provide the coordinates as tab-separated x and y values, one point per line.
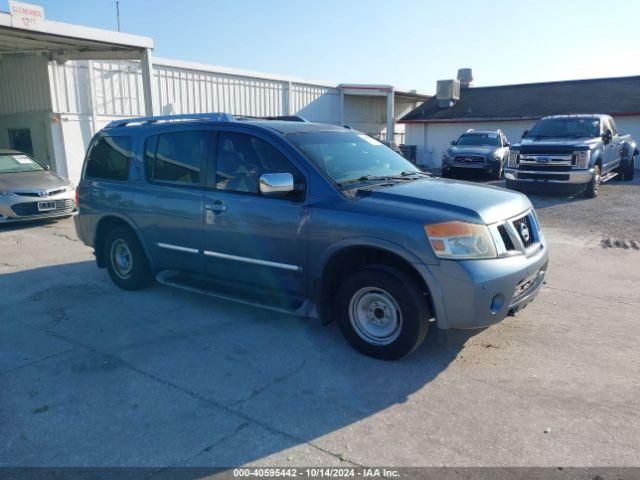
176	157
108	159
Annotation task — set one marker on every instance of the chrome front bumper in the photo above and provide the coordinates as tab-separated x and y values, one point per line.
545	176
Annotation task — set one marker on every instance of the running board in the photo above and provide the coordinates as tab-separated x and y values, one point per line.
608	176
196	284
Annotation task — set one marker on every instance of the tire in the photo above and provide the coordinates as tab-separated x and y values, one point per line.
629	170
132	272
388	296
498	175
591	188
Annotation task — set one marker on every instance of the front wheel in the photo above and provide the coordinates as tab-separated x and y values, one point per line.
382	312
591	190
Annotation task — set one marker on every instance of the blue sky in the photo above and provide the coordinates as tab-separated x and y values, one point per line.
407	43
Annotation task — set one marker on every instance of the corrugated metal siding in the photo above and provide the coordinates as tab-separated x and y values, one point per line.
118	88
182	90
69	87
30	93
315	103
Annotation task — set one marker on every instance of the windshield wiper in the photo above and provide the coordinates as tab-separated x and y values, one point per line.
363	178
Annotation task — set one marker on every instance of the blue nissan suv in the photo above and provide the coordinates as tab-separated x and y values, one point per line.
312	219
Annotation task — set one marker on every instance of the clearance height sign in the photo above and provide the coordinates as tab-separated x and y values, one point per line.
26	15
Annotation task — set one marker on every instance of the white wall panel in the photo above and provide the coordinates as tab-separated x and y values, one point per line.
181	90
315	103
23	84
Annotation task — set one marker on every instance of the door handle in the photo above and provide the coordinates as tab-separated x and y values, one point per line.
216	207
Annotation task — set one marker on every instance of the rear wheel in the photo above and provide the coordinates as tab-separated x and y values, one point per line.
382	312
591	190
629	170
125	260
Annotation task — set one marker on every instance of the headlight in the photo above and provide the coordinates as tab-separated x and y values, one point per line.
513	158
461	240
582	157
446	157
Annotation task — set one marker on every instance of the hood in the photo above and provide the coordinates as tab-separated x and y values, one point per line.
558	143
453	199
472	150
31	180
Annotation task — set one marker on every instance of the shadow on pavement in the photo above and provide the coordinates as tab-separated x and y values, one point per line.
94	376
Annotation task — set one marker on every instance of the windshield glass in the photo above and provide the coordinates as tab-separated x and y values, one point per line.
566	127
17	162
347	156
479	139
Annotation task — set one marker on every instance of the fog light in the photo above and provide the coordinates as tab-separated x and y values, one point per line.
509	176
496	303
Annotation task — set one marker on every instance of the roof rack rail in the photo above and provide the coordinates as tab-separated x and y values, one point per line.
286	118
212	117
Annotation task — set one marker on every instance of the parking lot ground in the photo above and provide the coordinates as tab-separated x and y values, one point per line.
94	376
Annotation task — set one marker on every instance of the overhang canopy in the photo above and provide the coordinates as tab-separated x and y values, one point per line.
63	41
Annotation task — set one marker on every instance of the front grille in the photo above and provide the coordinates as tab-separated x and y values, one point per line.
36	193
469	159
547	168
525	232
543	176
29	209
508	243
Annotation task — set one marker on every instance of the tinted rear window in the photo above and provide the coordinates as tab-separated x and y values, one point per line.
176	157
109	158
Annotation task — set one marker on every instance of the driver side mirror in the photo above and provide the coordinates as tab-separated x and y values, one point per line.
507	144
453	142
525	133
276	184
607	136
47	166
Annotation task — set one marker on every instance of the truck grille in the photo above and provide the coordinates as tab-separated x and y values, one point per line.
30	209
543	176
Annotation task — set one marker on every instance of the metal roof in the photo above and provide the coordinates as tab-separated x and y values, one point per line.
613	96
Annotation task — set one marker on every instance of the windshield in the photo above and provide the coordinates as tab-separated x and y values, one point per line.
479	139
349	156
18	162
588	127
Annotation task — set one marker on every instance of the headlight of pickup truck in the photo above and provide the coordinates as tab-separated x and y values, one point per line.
513	158
461	240
582	157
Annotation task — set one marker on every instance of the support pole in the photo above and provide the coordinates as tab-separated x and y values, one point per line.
390	115
148	85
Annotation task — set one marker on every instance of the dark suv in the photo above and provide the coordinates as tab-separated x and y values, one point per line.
479	150
312	219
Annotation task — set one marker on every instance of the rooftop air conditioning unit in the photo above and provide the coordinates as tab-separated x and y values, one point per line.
447	92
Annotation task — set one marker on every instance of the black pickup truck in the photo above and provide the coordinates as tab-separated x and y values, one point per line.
579	150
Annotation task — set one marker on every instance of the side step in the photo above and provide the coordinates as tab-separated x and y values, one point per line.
608	176
265	299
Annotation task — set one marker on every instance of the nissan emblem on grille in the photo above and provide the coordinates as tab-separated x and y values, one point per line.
524	232
42	193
